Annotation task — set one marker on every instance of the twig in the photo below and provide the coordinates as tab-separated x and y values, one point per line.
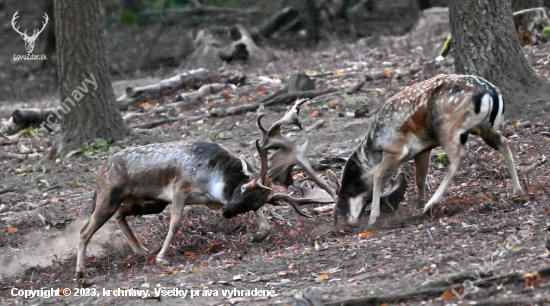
6	190
357	86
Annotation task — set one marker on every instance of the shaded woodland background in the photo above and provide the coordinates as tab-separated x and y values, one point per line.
359	53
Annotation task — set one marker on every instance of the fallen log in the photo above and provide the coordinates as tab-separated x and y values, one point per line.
275	23
291	97
188	80
32	117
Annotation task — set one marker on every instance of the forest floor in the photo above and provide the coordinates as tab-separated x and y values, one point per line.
481	239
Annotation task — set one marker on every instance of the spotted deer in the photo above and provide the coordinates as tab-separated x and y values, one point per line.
144	180
441	111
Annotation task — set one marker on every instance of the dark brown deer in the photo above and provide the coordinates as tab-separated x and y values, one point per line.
144	180
441	111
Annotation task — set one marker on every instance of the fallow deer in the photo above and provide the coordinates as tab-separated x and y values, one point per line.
441	111
143	180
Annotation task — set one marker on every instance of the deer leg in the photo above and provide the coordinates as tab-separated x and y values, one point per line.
131	207
178	203
107	204
388	166
421	165
455	153
495	140
265	228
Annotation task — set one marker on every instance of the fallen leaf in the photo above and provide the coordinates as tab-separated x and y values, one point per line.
449	295
293	266
12	229
210	105
87	170
365	235
338	74
315	113
172	272
531	277
388	73
322	277
261	90
381	271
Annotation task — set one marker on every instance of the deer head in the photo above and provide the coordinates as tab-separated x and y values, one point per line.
287	155
29	40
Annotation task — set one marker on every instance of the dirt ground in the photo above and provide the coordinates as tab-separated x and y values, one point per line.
480	238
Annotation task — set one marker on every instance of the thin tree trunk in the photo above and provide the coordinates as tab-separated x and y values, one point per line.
486	44
90	108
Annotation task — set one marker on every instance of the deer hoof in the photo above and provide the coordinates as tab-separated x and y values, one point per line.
259	236
162	262
142	251
428	210
79	274
518	192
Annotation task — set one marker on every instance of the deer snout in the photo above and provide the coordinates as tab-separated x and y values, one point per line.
227	213
352	221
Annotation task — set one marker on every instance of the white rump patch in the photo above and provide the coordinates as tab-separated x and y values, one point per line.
498	119
474	119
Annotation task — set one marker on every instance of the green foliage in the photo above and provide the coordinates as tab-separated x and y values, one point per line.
128	18
445	49
100	145
546	31
29	132
440	160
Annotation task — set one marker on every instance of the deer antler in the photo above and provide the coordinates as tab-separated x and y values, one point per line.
15	16
44	23
286	156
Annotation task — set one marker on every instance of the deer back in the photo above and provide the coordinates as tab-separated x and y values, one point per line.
154	171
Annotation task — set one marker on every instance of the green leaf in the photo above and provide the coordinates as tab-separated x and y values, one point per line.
29	132
441	158
100	145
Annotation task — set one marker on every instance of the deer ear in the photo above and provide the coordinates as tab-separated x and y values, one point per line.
333	181
248	169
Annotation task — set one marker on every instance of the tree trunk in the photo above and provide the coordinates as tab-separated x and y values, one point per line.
49	33
84	84
486	44
313	20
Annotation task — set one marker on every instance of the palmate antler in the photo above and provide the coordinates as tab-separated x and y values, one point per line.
288	154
